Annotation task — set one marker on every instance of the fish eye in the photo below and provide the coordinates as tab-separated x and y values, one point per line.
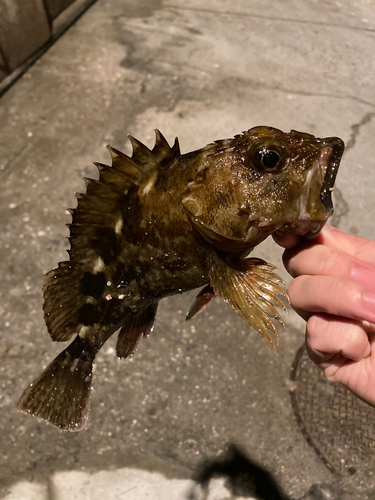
268	155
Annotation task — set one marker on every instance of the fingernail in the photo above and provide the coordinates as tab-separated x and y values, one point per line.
364	275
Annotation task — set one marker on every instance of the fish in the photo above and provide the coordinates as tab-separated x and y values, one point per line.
159	223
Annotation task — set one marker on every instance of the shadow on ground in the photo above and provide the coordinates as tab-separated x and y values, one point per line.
244	476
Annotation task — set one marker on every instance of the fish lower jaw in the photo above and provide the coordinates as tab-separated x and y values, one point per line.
304	227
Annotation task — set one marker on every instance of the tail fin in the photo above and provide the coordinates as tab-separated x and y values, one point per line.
61	393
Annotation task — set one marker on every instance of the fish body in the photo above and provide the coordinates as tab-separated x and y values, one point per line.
160	223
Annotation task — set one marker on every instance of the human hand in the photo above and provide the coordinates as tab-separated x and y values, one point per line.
334	291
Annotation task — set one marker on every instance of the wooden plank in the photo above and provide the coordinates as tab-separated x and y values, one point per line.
3	75
24	28
55	7
3	64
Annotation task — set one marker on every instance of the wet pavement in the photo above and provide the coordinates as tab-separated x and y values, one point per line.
203	410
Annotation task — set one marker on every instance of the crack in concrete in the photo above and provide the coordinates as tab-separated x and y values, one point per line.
50	489
356	130
131	58
270	18
257	85
323	94
15	157
341	208
185	65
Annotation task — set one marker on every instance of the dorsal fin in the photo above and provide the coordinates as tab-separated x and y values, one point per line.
101	204
143	156
97	230
161	156
162	151
126	165
103	197
161	145
175	150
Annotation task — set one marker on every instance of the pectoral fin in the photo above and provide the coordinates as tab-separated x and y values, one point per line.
252	289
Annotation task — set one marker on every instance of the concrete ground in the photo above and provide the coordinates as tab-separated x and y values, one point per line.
202	402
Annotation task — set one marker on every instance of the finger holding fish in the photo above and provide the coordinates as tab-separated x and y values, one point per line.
345	350
334	291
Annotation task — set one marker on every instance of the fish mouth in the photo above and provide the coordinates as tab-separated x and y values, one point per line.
329	162
314	209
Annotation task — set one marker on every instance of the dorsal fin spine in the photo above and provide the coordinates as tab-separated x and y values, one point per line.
118	157
160	141
142	153
101	166
115	153
176	148
138	145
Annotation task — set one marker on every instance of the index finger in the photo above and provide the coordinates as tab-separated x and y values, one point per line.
320	260
357	246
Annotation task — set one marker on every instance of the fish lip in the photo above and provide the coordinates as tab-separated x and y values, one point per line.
331	162
314	230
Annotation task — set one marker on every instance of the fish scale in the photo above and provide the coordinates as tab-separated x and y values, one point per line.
160	223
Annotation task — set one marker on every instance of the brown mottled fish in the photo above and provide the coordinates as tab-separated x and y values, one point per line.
159	223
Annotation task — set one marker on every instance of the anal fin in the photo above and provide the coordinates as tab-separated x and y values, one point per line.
132	330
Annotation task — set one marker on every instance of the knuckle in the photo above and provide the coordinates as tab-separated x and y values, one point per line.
333	263
355	339
294	288
288	263
313	329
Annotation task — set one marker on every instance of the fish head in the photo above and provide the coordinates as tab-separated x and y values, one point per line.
259	182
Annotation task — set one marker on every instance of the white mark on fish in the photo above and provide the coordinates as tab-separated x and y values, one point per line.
74	365
148	187
201	168
83	331
99	265
118	226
